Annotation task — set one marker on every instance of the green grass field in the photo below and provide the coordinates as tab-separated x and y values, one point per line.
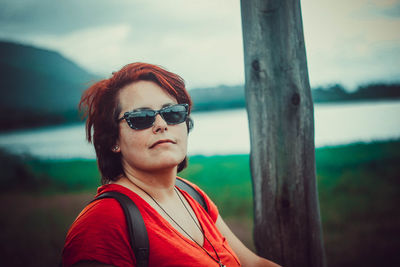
358	186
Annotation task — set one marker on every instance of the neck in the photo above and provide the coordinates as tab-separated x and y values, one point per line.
159	183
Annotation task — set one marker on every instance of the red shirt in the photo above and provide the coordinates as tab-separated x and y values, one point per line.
99	233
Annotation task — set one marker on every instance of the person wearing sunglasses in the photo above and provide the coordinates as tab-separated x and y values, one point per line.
138	121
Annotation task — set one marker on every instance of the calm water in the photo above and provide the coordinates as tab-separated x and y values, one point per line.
226	132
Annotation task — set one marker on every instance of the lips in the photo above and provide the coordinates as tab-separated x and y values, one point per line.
162	142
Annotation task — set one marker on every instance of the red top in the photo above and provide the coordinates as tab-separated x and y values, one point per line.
99	233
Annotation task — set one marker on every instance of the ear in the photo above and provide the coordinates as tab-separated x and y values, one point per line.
116	149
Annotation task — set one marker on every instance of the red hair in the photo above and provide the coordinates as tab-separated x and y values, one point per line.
100	104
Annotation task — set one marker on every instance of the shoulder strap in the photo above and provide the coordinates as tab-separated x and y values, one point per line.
192	192
137	229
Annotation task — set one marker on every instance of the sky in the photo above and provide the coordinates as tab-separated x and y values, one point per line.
348	42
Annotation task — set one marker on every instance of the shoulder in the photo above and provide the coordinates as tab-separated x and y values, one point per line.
103	213
99	233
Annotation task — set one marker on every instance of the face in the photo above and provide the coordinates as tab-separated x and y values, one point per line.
159	147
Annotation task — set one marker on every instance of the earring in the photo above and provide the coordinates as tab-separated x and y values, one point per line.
115	148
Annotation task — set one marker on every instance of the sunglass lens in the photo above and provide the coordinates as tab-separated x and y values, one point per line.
175	114
142	120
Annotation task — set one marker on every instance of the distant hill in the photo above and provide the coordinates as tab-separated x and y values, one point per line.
38	86
221	97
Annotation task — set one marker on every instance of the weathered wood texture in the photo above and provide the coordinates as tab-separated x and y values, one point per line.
280	110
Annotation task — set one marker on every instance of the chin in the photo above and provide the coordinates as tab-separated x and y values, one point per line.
168	162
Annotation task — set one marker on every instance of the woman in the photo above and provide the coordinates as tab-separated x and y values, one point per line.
139	122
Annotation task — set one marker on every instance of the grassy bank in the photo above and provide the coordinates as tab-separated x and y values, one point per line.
358	185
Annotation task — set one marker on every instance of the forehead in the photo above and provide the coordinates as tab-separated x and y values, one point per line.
143	94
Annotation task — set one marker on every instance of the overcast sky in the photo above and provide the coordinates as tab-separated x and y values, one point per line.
350	42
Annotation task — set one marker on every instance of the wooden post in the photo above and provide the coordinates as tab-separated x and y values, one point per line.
280	111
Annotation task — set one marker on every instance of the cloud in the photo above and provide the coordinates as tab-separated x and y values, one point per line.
202	40
386	8
63	17
347	42
199	40
93	48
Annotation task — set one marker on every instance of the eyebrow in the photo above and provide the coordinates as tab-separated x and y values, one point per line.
148	108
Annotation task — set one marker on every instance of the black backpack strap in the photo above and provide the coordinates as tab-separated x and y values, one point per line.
136	227
192	192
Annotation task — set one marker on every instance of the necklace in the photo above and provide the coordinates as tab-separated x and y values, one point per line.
217	260
201	230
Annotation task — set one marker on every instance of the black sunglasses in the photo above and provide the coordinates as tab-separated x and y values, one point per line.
143	119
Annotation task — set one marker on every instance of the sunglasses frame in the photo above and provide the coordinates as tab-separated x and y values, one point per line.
127	115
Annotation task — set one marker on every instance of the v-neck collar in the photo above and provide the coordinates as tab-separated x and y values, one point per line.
154	212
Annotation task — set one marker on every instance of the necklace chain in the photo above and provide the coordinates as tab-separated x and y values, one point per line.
218	260
201	230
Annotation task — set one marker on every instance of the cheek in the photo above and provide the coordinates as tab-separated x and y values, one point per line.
182	134
132	148
129	141
184	143
185	140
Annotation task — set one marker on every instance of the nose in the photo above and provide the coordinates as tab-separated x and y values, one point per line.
160	125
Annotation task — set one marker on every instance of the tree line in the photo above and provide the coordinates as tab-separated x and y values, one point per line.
229	97
337	93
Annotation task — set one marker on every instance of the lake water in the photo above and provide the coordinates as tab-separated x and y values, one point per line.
226	132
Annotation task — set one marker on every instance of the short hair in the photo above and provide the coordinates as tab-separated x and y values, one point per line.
100	104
